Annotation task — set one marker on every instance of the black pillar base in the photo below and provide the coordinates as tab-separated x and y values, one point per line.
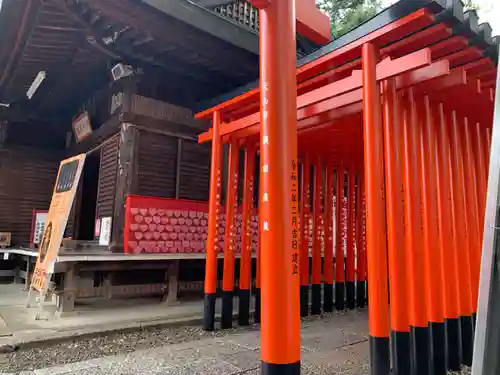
453	344
226	320
209	312
474	320
244	307
438	348
339	296
257	306
316	299
350	289
419	337
280	369
401	350
327	298
380	356
367	298
361	294
304	300
467	339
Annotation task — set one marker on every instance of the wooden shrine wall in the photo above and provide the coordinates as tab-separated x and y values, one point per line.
106	190
26	181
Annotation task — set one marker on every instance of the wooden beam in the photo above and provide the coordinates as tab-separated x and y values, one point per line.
126	180
3	132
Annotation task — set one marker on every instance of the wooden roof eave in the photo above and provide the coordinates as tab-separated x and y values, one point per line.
208	22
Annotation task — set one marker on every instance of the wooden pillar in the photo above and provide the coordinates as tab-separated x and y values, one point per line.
350	268
375	217
66	300
417	276
304	236
172	277
280	256
339	248
433	253
229	240
3	132
400	335
361	244
246	242
328	260
449	269
461	230
125	180
316	232
472	209
213	218
178	165
480	163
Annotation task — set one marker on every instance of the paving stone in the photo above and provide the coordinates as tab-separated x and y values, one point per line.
244	361
330	345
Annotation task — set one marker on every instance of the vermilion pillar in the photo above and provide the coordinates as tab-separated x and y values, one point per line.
360	244
417	277
375	215
487	149
472	210
479	158
350	267
462	249
395	230
449	266
280	331
257	295
304	239
229	240
328	259
339	248
433	256
316	249
246	241
213	214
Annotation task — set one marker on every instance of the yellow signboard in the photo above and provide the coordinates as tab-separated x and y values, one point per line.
63	196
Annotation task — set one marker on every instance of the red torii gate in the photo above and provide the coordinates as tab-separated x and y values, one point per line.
431	79
281	321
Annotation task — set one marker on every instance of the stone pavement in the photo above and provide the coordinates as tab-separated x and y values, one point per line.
18	326
335	344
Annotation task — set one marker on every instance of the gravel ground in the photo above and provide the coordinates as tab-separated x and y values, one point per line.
26	359
87	348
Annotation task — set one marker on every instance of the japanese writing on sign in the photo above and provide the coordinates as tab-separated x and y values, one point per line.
295	226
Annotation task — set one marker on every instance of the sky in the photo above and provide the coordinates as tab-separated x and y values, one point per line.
489	12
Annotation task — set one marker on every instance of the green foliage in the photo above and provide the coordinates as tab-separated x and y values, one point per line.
345	15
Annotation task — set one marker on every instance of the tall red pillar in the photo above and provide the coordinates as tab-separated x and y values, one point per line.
246	241
339	247
304	239
378	313
229	237
393	134
417	273
461	225
316	247
279	209
350	286
449	271
432	256
328	266
213	214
